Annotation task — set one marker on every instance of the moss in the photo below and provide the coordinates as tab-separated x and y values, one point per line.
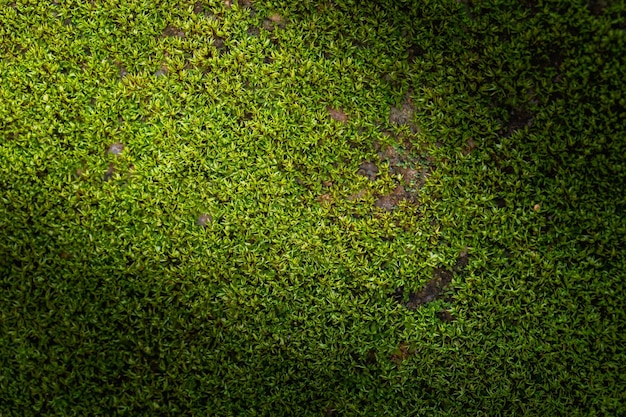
314	208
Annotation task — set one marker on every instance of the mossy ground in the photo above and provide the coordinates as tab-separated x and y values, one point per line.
313	208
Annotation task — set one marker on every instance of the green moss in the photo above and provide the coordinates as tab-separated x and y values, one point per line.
255	209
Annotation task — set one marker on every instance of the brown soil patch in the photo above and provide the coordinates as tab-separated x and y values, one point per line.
325	199
469	146
445	316
434	287
358	196
369	170
268	25
462	261
204	219
161	72
411	176
401	354
274	21
391	155
408	175
116	149
109	172
400	162
277	19
172	31
219	44
519	118
441	279
338	114
390	201
403	115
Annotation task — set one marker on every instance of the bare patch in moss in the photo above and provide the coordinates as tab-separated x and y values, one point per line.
470	145
204	219
407	166
358	196
325	199
403	115
519	118
172	31
109	172
401	354
116	149
440	280
338	115
161	72
390	201
445	316
198	8
274	21
369	170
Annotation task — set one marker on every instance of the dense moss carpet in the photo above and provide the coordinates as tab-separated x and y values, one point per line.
328	208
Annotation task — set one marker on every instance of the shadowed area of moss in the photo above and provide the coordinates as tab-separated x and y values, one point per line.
318	208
